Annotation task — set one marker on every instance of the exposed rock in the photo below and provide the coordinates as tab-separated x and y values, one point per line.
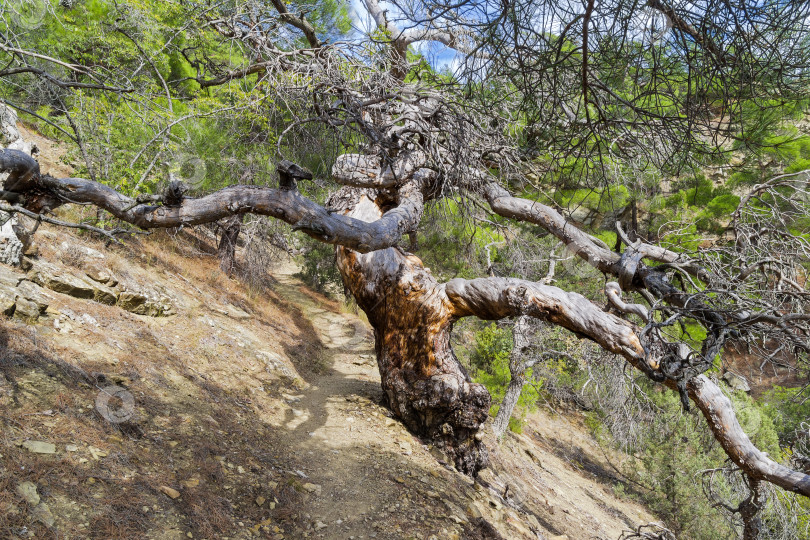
39	447
9	278
97	453
48	276
26	310
20	297
584	215
104	294
101	276
236	313
31	250
132	301
473	510
84	250
169	492
62	326
10	136
8	301
11	248
34	293
191	483
141	304
28	491
736	382
86	318
42	513
8	125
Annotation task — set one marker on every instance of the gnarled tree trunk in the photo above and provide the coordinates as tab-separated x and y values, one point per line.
412	317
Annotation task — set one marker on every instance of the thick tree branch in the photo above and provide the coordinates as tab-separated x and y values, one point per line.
62	83
362	170
287	205
401	40
378	15
281	60
682	25
719	411
497	298
614	294
583	244
239	73
17	210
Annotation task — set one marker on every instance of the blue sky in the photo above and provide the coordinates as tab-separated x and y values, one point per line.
437	54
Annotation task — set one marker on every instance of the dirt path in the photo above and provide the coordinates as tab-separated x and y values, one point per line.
330	424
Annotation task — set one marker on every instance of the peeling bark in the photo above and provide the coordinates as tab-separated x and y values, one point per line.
426	386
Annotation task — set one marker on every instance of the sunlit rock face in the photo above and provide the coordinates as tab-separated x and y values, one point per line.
11	248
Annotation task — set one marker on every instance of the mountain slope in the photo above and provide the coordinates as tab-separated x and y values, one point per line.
240	410
260	408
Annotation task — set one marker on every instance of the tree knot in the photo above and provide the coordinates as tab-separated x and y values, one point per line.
289	173
174	193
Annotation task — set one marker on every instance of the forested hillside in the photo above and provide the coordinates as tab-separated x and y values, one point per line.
597	209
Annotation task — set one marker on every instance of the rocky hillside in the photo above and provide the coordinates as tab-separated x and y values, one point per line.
145	395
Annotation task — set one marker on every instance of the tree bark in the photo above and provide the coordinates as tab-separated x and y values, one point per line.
633	232
750	512
425	385
39	193
517	372
231	227
413	242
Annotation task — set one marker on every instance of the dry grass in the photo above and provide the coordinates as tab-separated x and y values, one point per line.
14	521
209	514
122	514
73	255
